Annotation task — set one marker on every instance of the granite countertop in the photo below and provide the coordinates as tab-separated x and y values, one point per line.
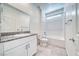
9	37
13	33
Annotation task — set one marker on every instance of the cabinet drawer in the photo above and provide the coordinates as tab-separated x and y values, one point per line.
12	44
18	51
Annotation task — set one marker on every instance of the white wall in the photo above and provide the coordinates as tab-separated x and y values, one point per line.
35	24
43	21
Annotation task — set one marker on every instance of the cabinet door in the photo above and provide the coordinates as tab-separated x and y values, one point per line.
32	47
18	51
1	49
12	44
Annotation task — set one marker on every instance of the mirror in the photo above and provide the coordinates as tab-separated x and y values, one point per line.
13	19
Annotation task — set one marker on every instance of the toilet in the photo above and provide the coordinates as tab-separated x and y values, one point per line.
44	42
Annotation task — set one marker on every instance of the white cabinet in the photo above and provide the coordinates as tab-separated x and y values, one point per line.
26	46
1	49
32	47
18	51
15	43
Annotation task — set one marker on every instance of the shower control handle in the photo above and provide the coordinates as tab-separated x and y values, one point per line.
72	40
70	20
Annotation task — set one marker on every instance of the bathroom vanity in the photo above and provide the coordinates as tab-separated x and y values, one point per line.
15	38
18	45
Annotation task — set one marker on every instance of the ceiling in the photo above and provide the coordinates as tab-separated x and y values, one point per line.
48	7
45	7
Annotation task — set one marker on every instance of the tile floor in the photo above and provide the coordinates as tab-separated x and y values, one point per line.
51	50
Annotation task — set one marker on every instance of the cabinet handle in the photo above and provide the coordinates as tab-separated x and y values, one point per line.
72	40
70	20
27	46
65	23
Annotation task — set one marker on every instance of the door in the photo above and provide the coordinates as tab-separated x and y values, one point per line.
77	36
70	28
